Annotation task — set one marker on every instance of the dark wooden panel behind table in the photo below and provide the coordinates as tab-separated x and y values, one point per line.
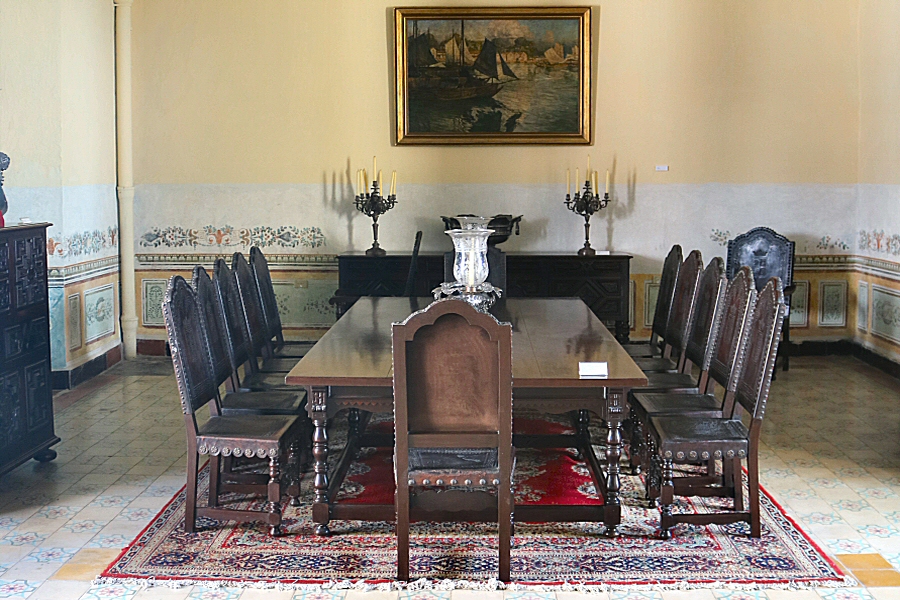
602	281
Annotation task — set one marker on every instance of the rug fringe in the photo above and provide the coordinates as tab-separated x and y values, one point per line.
489	585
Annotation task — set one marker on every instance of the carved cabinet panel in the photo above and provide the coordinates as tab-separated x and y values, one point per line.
26	401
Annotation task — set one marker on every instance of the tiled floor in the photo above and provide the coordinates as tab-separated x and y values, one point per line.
830	455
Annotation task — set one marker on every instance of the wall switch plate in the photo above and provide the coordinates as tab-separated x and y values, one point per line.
662	167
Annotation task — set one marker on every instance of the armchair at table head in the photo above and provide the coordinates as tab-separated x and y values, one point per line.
453	415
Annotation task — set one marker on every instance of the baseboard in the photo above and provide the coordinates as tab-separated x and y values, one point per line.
846	347
66	380
152	348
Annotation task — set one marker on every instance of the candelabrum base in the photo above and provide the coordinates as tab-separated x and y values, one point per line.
376	251
482	296
587	251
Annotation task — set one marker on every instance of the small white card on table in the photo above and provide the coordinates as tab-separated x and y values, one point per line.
593	370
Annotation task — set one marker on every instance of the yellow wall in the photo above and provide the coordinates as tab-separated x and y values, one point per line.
87	81
272	92
56	83
879	91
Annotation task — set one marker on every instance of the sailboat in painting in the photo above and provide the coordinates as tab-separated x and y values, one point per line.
456	78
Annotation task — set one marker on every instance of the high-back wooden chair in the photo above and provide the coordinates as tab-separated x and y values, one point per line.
453	416
768	254
280	348
680	439
701	335
667	280
244	357
254	315
721	365
213	315
235	403
683	302
262	436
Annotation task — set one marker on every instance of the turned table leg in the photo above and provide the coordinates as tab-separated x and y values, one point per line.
616	412
317	406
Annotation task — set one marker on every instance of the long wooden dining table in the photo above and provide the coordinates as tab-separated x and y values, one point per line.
350	367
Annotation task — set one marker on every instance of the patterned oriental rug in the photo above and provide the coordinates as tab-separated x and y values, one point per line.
550	554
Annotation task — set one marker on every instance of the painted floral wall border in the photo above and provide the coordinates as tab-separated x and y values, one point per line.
284	236
877	240
83	243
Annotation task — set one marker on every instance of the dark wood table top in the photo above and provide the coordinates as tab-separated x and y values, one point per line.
550	337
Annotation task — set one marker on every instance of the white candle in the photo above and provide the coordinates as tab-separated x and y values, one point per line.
393	182
607	181
366	180
381	182
588	172
568	182
358	182
473	256
374	168
577	180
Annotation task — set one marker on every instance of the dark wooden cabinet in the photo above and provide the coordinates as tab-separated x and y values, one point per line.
26	400
601	281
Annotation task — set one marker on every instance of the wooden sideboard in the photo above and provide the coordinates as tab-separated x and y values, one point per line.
602	281
26	400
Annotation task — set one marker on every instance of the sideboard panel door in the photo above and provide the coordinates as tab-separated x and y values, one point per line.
26	399
602	281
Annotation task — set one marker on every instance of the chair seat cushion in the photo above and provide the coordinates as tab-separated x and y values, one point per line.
265	382
658	403
683	382
264	403
641	350
655	364
453	459
247	435
293	350
691	438
454	466
278	365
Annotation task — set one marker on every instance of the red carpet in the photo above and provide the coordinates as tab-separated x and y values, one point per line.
548	553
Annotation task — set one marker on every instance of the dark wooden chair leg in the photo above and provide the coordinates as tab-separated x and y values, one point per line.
753	484
274	495
403	532
666	499
294	470
737	484
504	522
636	449
190	494
214	481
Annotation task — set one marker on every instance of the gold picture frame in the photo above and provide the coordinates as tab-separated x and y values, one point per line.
522	76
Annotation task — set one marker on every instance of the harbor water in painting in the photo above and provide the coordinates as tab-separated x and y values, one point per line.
493	76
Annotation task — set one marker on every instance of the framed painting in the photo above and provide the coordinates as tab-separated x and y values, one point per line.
493	75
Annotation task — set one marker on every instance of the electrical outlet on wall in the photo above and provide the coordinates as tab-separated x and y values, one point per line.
662	167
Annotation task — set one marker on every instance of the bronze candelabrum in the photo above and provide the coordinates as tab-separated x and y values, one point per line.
586	204
373	204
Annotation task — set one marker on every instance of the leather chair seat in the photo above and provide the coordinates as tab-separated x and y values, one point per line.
659	365
692	438
649	404
644	350
476	467
278	365
256	435
267	382
296	350
272	403
669	382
